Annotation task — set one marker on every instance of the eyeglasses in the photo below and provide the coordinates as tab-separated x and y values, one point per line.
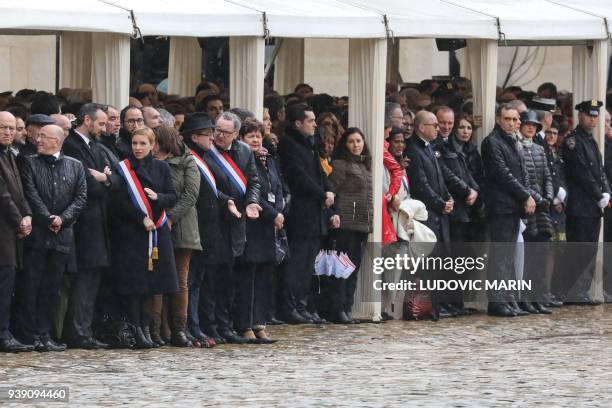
134	121
39	136
204	134
435	125
10	128
224	133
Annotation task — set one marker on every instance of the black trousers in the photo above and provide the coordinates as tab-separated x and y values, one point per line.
43	272
607	272
582	237
503	231
341	292
84	287
298	273
211	295
7	285
252	295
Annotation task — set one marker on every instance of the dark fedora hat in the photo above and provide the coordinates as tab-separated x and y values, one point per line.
39	119
196	121
530	116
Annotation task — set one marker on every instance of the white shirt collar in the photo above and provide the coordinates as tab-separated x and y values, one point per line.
56	155
86	139
424	141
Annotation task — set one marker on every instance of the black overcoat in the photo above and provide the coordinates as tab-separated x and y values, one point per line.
130	240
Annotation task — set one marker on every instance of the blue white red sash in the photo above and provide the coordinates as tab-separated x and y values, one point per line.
406	183
141	201
230	168
205	172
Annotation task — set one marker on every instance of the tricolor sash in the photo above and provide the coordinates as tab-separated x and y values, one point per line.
141	201
406	183
230	168
205	172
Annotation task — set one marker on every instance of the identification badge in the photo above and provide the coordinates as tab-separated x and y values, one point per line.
271	198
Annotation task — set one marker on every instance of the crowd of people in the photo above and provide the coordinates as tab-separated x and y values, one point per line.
176	221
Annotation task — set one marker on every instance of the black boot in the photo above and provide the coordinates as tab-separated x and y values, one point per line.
341	318
528	307
179	339
512	305
500	309
147	334
142	342
541	308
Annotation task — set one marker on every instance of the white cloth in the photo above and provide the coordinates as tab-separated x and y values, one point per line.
409	227
561	194
605	199
519	256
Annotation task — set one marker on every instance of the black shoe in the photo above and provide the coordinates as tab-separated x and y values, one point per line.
12	345
316	319
516	309
147	333
306	315
500	310
82	342
50	345
528	307
293	317
179	339
384	316
142	342
273	321
541	308
443	312
350	316
233	338
607	297
213	334
342	318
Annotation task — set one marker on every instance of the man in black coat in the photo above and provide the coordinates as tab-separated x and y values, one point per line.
214	224
91	232
588	195
507	199
306	222
15	223
56	189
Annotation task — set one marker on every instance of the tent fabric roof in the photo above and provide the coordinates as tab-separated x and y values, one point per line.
317	19
65	15
600	8
539	19
434	18
194	18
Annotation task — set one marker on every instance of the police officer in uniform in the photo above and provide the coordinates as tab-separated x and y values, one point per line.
588	195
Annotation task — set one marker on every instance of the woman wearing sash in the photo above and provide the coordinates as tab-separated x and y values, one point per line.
183	221
255	268
143	255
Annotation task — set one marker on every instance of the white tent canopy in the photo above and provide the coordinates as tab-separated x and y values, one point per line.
435	18
317	19
539	20
65	15
193	18
598	8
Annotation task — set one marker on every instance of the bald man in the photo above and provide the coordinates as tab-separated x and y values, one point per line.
56	189
63	122
427	184
15	223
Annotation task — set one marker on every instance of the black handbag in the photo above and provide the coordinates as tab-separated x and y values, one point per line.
281	246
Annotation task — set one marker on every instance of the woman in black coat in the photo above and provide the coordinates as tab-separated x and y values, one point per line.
143	255
256	266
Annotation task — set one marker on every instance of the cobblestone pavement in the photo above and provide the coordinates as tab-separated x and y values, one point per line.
559	360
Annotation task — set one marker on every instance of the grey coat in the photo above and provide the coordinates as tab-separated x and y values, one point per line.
186	178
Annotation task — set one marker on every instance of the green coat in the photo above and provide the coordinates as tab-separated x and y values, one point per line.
186	178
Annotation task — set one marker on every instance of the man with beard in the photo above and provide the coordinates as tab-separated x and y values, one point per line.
91	233
131	119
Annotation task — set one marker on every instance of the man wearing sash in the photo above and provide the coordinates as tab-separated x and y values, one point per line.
209	267
91	232
237	163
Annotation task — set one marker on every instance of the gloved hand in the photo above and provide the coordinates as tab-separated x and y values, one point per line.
605	199
561	194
